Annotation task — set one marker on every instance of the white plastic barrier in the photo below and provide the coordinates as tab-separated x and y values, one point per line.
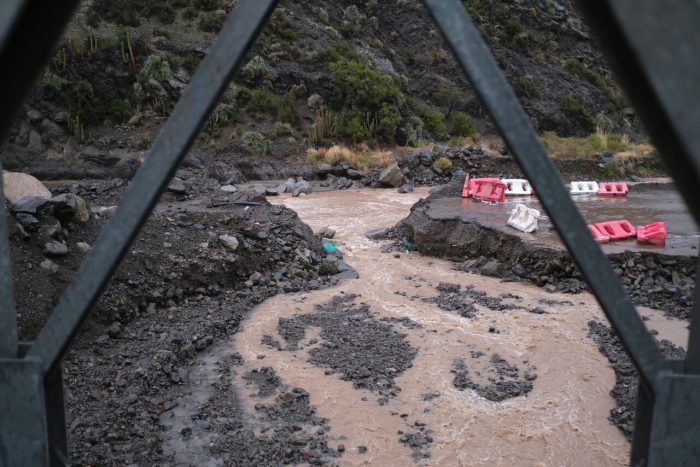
524	218
584	188
517	186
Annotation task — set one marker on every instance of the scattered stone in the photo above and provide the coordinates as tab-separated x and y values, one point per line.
49	266
229	189
115	329
55	249
271	191
406	188
83	247
229	241
490	268
326	232
28	222
29	204
329	267
177	186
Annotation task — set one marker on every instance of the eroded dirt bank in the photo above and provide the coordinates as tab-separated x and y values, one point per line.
476	235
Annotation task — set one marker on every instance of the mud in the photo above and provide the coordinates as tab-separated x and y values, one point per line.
475	235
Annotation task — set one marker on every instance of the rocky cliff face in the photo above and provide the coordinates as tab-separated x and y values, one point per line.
323	72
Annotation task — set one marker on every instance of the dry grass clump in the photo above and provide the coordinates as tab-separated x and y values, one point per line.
361	157
590	146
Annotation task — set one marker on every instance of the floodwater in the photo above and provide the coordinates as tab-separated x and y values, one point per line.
643	205
562	421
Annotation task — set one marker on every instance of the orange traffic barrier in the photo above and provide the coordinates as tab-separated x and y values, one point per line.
612	189
616	230
654	233
490	191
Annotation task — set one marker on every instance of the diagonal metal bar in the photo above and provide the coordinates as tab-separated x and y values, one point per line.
186	120
27	43
9	11
499	99
8	314
653	48
692	358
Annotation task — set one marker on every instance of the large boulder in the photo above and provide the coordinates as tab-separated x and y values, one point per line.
17	185
69	207
391	176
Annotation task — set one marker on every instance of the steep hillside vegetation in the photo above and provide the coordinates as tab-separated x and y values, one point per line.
324	72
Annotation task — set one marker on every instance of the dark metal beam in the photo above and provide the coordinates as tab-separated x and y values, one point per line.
514	125
8	313
653	48
188	117
26	47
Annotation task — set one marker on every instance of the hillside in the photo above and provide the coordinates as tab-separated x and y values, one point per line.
371	73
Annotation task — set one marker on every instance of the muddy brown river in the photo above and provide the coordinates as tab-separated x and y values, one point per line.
561	421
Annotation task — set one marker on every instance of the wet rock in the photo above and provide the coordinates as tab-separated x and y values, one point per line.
55	249
354	174
406	188
282	188
250	195
329	267
229	241
490	268
326	232
69	207
301	186
391	175
376	234
17	185
177	186
271	191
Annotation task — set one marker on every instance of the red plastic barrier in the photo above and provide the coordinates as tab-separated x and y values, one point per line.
490	191
616	230
612	189
598	236
654	233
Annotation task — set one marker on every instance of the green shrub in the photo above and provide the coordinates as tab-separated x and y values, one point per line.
513	26
433	121
255	144
206	5
575	109
261	101
388	122
50	81
577	69
129	12
287	111
353	127
524	87
352	20
211	21
463	125
447	98
443	163
255	69
281	27
322	14
157	67
335	53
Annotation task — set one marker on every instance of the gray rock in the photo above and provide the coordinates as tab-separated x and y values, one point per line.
229	188
329	267
354	174
84	247
229	241
301	187
34	140
177	186
290	184
29	204
250	195
490	268
28	221
17	185
323	167
519	270
406	188
68	207
391	175
376	234
271	191
326	232
49	266
55	249
282	188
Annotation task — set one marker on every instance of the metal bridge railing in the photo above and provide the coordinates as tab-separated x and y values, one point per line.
653	46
